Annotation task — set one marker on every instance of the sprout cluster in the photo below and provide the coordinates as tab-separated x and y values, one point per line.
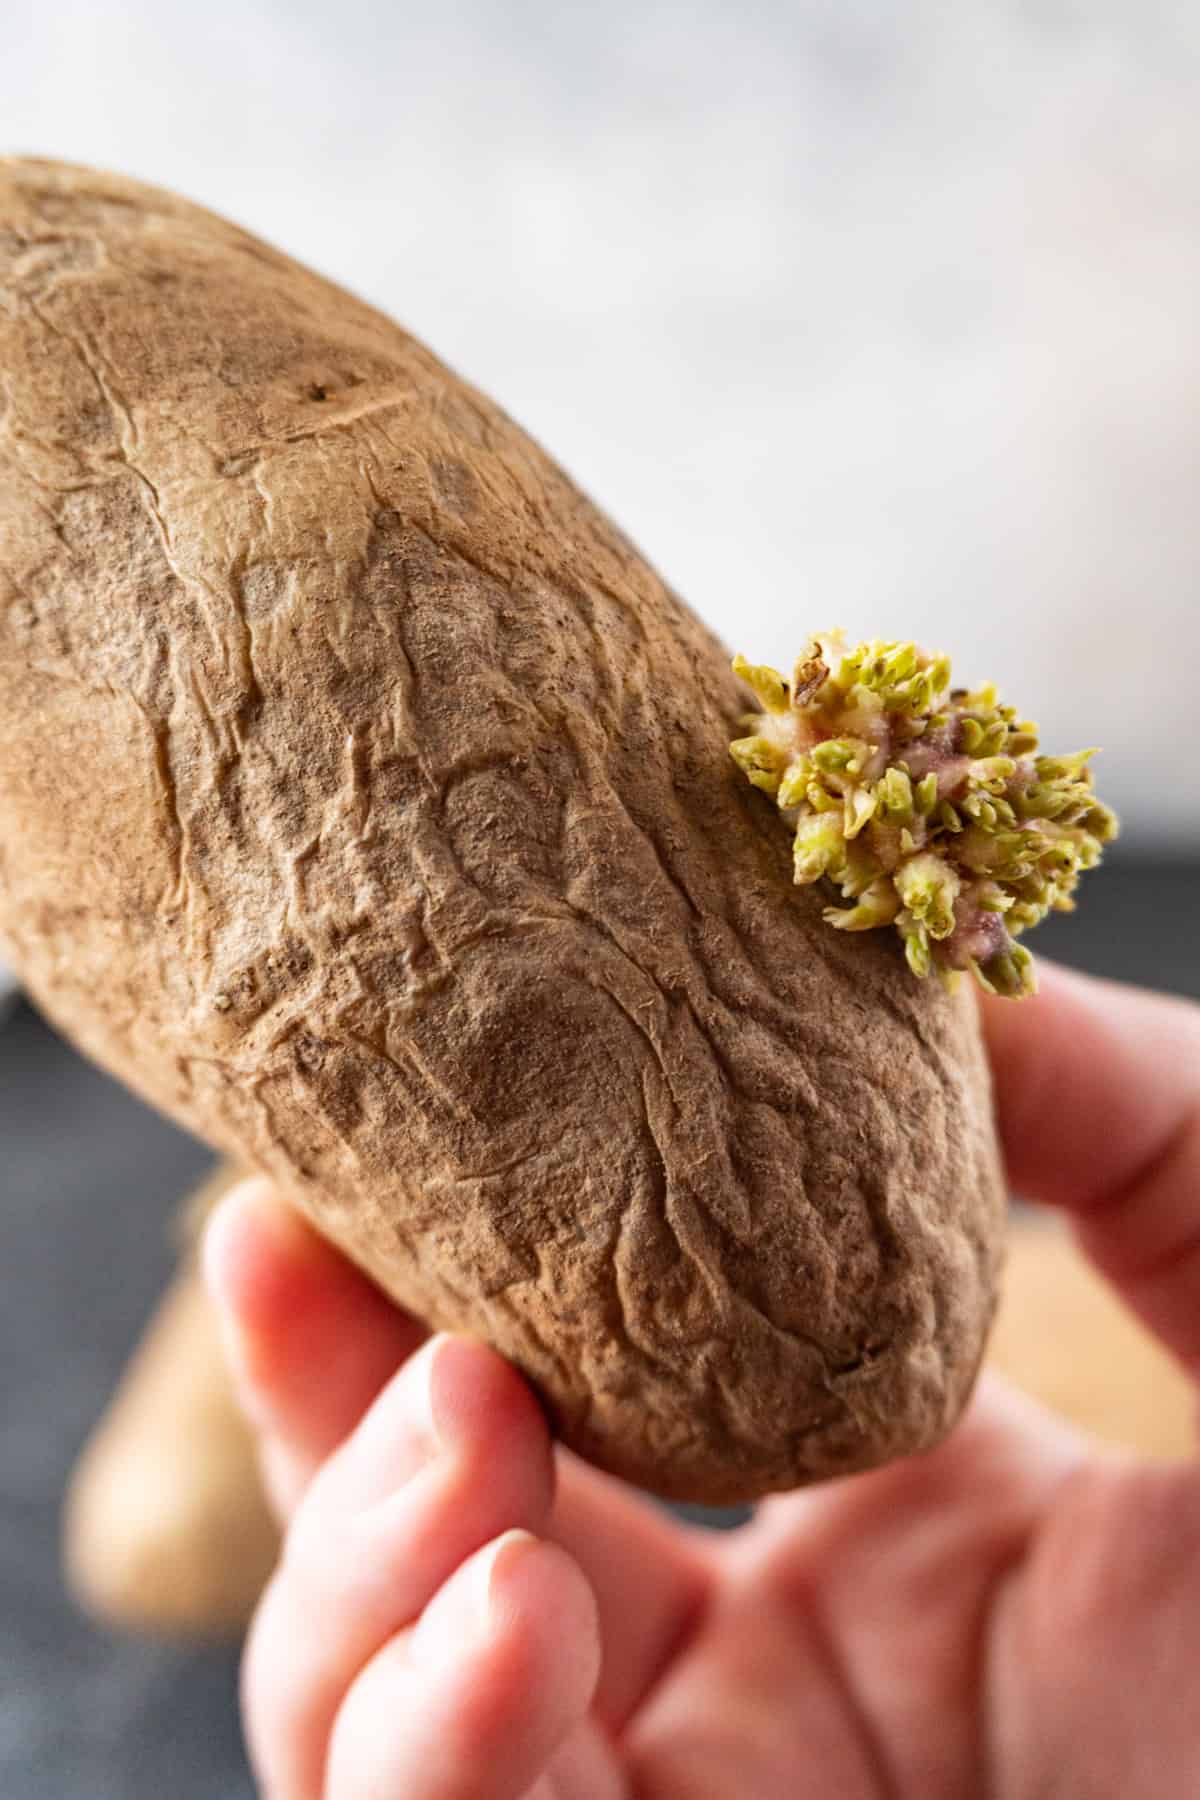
926	807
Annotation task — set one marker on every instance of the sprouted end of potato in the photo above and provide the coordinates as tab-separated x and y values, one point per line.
926	807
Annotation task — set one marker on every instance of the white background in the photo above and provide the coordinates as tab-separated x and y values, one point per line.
880	315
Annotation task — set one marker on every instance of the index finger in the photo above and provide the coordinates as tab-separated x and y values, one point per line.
1098	1108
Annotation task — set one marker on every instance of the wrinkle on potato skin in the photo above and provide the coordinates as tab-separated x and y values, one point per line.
412	868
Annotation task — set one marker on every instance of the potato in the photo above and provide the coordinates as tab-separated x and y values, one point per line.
366	804
166	1527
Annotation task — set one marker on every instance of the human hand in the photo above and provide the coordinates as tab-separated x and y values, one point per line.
464	1612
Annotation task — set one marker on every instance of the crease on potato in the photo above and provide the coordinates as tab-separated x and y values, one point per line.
365	805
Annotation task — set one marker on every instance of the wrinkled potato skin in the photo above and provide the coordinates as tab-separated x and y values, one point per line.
365	804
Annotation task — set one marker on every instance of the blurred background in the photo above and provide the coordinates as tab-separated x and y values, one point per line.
875	315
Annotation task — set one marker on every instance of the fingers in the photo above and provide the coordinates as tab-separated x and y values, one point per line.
453	1453
1098	1105
652	1581
476	1700
892	1575
309	1339
314	1341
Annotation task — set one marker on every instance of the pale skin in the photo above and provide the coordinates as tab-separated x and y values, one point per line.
464	1611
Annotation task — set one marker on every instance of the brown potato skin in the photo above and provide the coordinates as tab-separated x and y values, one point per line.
365	804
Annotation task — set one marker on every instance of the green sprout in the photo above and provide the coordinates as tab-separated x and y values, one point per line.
923	806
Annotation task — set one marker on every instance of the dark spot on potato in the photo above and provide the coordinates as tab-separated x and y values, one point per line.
310	1052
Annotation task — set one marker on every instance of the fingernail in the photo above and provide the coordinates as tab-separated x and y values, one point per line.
234	1348
437	1417
452	1378
222	1252
244	1384
465	1612
508	1551
405	1431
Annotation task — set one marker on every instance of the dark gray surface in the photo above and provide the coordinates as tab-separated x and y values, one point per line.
87	1181
1137	921
87	1176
